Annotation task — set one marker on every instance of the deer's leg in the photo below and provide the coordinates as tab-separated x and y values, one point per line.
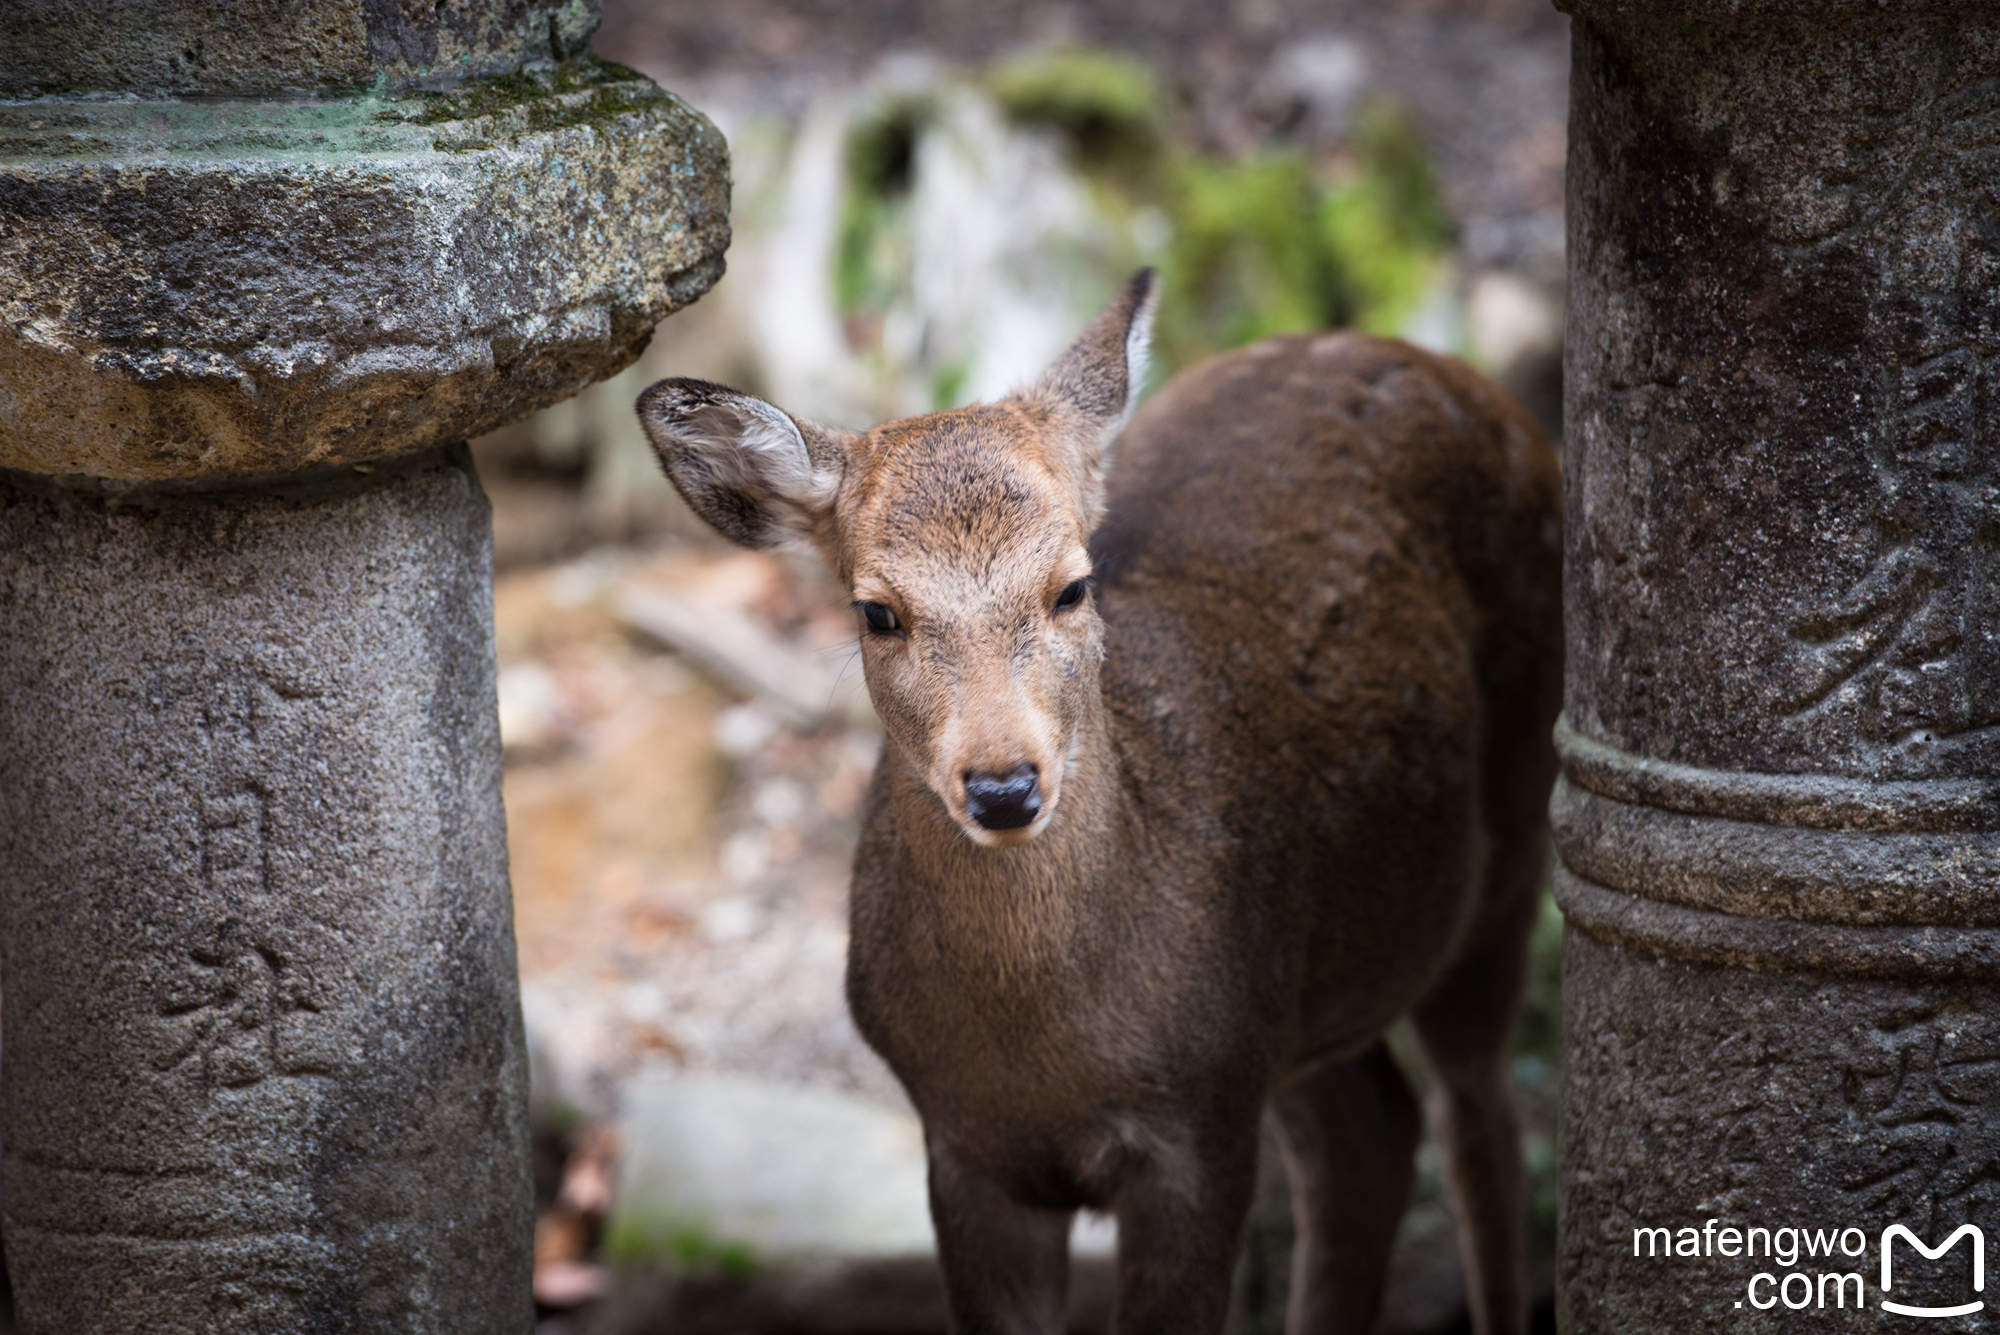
1349	1131
1180	1226
1464	1025
1006	1265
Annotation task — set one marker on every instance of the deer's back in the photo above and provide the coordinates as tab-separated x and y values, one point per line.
1331	584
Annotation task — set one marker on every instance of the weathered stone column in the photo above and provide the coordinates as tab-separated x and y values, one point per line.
263	269
1779	822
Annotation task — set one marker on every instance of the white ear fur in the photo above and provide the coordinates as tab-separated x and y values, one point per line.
741	463
1139	348
1138	358
1100	376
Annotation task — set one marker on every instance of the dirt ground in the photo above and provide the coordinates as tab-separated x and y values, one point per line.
679	851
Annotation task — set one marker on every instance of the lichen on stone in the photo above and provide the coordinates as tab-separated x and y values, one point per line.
584	91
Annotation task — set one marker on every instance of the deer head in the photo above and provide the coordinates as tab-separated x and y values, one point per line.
961	537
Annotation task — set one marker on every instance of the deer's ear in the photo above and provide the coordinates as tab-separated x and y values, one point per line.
759	476
1102	373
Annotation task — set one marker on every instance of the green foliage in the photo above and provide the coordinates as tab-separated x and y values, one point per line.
1263	244
873	252
556	1118
1107	105
948	387
1382	226
628	1240
1538	1032
1537	1063
1246	260
1268	242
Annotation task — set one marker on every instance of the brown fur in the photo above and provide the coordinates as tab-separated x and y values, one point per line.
1293	754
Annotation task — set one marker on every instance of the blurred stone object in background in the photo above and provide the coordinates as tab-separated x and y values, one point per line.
262	272
926	197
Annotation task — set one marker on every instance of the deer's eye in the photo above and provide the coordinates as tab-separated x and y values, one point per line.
880	619
1072	594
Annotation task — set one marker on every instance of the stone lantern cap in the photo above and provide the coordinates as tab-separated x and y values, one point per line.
247	48
193	286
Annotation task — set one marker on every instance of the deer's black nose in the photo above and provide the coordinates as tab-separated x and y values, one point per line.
1004	801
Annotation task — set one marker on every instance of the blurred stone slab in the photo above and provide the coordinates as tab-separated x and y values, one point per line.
731	1164
214	286
753	1171
894	1295
768	1207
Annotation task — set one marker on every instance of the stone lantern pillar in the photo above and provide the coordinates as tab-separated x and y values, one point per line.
263	269
1779	821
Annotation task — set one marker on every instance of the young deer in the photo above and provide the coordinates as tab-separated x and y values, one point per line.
1152	850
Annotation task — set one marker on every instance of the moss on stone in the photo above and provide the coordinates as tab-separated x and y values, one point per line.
584	92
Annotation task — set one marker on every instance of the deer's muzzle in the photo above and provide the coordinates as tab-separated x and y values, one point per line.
1003	801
